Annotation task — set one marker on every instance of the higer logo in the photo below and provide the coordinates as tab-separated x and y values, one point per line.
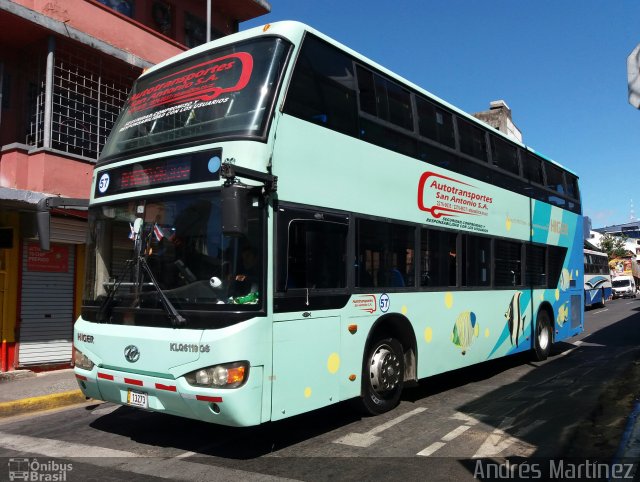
446	196
132	354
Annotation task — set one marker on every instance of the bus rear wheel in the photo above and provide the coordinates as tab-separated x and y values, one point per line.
382	376
544	336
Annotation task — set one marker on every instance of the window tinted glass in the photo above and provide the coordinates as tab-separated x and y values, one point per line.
472	140
384	99
505	155
554	178
386	137
535	273
323	89
438	258
316	255
572	185
217	94
385	255
435	123
477	270
508	266
556	255
532	167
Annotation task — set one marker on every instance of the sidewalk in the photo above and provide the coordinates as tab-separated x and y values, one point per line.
23	391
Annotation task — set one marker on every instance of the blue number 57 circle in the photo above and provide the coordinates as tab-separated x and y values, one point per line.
384	302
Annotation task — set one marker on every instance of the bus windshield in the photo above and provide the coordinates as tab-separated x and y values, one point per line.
140	250
219	94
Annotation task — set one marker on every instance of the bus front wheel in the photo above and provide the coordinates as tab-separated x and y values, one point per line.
382	376
543	336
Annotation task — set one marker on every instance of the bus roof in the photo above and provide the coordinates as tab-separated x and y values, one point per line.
294	31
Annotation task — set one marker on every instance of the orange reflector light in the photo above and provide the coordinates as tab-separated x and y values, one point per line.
352	377
266	27
352	329
235	375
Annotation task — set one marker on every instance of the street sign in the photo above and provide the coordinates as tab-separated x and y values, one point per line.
633	77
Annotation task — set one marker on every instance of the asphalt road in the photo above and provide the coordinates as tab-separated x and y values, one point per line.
510	415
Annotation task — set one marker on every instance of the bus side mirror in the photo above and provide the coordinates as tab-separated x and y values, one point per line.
43	215
234	205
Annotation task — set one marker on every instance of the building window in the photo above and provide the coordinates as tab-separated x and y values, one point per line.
162	17
125	7
195	30
87	97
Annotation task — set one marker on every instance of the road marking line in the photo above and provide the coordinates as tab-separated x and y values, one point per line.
455	433
498	441
431	449
370	437
600	311
160	466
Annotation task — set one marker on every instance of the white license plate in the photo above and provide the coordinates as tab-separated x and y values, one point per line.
137	399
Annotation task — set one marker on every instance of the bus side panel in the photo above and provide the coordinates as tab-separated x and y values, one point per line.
556	227
306	364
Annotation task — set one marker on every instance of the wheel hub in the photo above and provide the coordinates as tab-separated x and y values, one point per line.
385	369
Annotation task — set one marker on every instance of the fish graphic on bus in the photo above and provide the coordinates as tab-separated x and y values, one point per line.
515	318
465	329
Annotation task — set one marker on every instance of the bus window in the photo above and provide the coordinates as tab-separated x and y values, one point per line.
477	251
435	123
532	168
504	155
472	140
535	265
322	89
385	255
438	265
508	265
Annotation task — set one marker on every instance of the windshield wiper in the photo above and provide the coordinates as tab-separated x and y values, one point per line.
176	318
105	306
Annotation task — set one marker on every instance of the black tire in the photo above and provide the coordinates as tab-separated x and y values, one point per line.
382	376
603	303
544	336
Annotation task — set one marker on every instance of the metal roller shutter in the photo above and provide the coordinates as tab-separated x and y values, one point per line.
46	309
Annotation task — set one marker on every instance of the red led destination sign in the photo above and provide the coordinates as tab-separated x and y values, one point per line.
154	175
175	170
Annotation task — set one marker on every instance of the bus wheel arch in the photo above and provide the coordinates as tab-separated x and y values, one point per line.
543	332
389	360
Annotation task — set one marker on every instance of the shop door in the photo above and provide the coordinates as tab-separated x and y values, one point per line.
46	307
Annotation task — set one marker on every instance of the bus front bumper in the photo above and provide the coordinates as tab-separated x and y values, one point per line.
237	407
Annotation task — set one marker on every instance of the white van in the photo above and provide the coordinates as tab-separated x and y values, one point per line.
623	287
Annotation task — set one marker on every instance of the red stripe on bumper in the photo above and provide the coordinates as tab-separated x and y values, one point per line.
81	377
203	398
105	376
169	388
133	381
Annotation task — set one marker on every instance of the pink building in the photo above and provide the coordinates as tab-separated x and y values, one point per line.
66	67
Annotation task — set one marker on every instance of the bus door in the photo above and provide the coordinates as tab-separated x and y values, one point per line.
311	288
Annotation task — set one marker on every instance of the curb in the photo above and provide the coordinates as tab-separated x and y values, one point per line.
45	402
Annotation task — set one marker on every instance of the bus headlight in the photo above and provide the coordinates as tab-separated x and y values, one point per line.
82	361
226	375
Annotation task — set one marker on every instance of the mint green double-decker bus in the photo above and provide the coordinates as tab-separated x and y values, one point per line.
278	224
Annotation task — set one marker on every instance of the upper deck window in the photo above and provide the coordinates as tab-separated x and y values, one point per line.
472	140
219	94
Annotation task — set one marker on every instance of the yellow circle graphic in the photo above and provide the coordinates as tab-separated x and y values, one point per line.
508	224
404	309
448	300
557	295
428	335
486	332
333	363
307	392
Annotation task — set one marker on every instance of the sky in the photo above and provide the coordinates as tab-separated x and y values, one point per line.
560	65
